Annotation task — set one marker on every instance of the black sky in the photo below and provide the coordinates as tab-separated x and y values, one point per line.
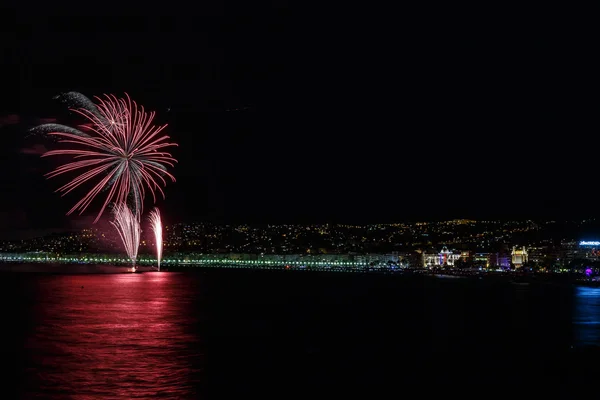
343	117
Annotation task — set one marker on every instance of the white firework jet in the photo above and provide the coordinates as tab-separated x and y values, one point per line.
156	224
127	224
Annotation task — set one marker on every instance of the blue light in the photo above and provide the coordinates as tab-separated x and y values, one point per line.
588	243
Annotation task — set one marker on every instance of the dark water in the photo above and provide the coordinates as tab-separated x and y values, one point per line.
227	334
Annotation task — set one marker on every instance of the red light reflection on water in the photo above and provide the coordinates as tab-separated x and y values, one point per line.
115	336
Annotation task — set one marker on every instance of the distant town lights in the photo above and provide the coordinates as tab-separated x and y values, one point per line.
588	243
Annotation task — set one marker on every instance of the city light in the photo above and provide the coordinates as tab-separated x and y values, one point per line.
476	246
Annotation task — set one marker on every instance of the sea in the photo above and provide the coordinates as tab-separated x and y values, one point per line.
220	334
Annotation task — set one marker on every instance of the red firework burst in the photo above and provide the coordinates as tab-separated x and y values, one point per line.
123	153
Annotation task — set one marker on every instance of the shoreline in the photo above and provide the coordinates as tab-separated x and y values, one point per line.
508	277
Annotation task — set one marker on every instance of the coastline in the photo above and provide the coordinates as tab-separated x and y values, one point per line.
505	277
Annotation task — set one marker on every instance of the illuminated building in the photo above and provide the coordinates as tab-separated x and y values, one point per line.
519	257
430	260
504	260
587	250
481	259
445	258
499	260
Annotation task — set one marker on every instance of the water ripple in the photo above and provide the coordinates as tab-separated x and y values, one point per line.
113	337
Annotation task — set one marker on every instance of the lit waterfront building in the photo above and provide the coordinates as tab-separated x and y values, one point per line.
519	257
500	259
589	250
481	259
445	258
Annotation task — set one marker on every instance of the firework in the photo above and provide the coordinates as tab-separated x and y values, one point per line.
48	129
76	100
156	224
127	224
124	153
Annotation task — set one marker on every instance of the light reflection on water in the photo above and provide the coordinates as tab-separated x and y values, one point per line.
145	335
586	316
114	336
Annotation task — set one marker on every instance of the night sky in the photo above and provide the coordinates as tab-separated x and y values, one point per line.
287	115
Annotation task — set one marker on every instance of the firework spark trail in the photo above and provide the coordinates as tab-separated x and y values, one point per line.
156	223
127	224
76	100
124	150
46	129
